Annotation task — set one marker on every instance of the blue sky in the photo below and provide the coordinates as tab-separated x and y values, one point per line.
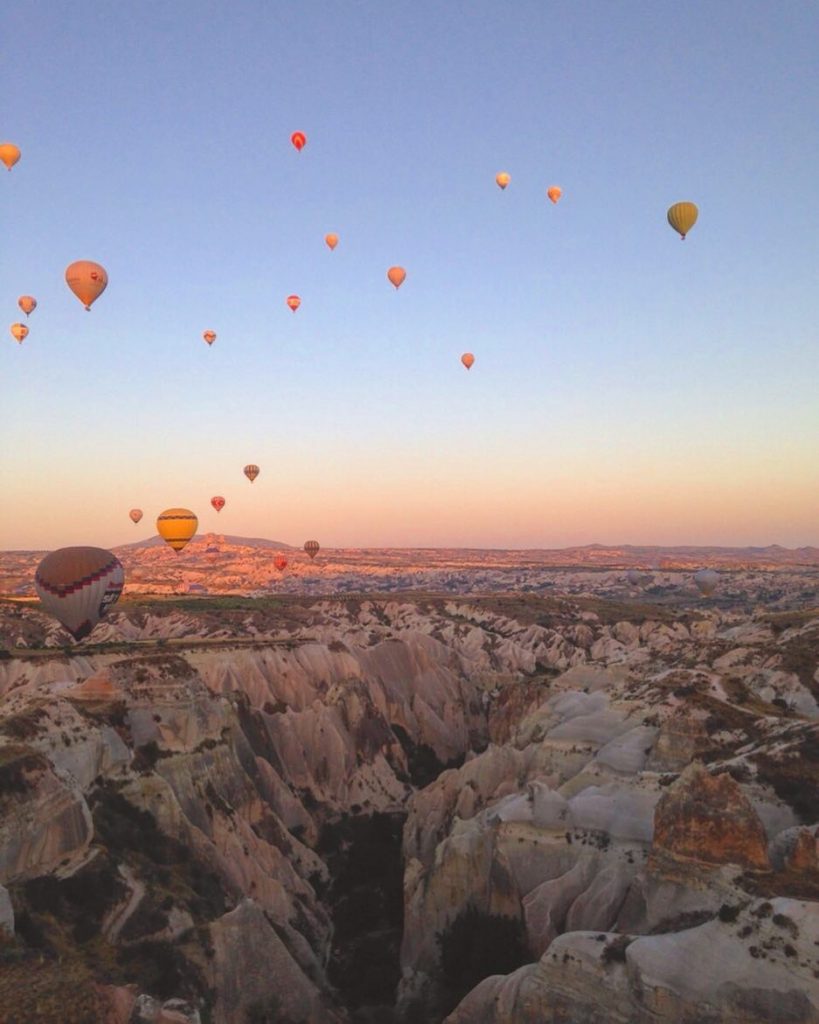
628	387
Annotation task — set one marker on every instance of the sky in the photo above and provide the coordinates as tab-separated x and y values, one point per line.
628	387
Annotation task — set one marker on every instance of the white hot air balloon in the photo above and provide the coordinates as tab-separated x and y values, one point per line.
706	581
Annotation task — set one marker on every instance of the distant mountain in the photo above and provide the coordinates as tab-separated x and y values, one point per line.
245	542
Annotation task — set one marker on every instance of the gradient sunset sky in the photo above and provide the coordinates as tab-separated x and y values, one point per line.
627	388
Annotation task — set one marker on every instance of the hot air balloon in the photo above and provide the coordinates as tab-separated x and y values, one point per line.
331	240
706	581
503	179
176	526
280	562
209	336
468	359
396	276
19	331
218	502
682	217
299	140
9	154
27	303
135	514
311	547
293	301
639	579
78	586
251	472
87	280
554	193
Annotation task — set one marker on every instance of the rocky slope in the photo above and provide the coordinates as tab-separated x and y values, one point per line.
201	812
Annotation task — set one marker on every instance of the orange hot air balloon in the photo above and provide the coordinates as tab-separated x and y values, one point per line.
251	472
554	193
396	276
468	359
299	140
27	303
218	502
78	586
209	336
293	301
87	280
280	562
176	526
9	154
331	240
135	514
503	179
19	331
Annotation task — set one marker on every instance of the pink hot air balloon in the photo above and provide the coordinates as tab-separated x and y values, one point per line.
218	502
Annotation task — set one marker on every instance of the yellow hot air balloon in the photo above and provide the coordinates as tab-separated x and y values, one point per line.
682	217
27	303
396	276
176	526
311	547
9	154
78	586
503	179
88	280
331	240
19	331
251	472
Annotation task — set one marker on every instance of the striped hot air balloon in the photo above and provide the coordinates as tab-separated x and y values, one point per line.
176	526
78	585
311	547
682	217
251	472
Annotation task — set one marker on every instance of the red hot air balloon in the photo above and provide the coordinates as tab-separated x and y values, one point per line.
299	140
468	359
218	502
280	562
209	336
293	301
135	514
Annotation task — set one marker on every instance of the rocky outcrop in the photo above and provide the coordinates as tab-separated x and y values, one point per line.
707	818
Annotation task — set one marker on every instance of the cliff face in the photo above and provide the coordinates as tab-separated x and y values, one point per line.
179	815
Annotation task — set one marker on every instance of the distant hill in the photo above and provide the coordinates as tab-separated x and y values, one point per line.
245	542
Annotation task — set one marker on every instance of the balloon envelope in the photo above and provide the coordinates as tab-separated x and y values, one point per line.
135	514
331	240
706	581
251	472
209	336
682	217
467	359
88	280
503	179
18	332
639	579
78	585
299	140
396	276
311	547
27	303
554	193
280	562
176	526
293	301
218	502
9	154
